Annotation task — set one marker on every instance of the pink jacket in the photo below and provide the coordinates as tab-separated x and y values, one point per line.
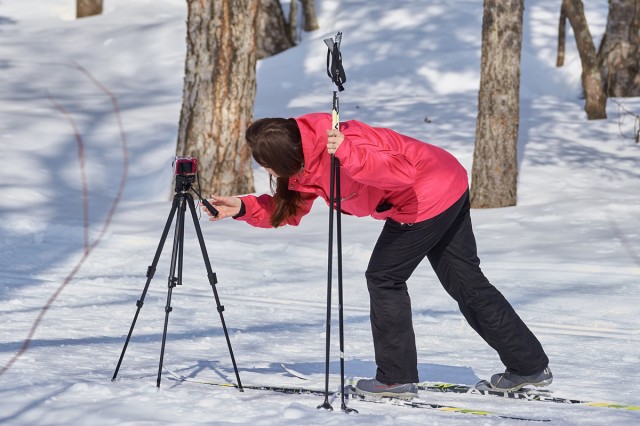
414	179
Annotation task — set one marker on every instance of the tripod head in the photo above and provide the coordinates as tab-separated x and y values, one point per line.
184	182
183	186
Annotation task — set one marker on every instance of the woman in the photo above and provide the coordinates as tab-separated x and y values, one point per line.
421	191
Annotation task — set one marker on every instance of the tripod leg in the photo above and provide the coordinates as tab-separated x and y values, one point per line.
181	243
172	281
151	270
212	281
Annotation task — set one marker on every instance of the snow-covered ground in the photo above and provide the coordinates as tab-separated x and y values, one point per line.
88	125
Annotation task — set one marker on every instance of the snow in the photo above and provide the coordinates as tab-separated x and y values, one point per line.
567	256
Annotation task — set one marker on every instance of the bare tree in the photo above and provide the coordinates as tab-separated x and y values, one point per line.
495	161
219	92
293	20
88	8
595	99
310	17
619	53
273	32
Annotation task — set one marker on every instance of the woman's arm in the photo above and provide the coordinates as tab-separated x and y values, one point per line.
257	209
370	159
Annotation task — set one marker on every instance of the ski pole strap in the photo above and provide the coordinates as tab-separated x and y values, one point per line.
335	70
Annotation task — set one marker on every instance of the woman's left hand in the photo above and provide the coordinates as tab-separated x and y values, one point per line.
334	140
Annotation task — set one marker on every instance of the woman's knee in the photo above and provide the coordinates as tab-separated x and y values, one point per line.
384	281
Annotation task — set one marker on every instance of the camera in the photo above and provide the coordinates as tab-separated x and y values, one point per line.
185	169
186	166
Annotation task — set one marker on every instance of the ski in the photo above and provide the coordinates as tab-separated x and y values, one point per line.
293	372
292	390
350	394
419	403
483	388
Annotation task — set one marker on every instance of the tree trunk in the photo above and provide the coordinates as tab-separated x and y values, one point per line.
219	93
619	54
310	18
562	34
88	8
272	33
495	161
293	20
595	99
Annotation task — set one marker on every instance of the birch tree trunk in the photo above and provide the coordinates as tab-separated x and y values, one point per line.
495	162
619	53
219	93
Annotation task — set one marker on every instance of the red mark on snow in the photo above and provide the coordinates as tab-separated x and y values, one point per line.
88	247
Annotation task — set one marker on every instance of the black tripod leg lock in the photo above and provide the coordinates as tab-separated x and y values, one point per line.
213	279
151	271
139	303
221	308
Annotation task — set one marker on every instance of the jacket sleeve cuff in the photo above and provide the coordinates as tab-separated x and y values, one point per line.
242	212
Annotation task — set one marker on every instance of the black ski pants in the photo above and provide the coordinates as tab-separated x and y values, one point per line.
448	242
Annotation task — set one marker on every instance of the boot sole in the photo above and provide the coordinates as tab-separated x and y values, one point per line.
405	396
520	386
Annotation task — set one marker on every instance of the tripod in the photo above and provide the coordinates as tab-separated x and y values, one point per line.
180	201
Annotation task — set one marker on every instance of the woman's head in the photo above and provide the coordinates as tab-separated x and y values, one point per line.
276	144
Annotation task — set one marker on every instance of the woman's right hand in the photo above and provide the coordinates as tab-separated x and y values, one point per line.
226	206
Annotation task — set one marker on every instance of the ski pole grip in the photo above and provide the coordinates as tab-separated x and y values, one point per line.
335	112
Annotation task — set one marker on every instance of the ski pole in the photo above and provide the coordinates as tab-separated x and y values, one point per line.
326	405
335	70
336	172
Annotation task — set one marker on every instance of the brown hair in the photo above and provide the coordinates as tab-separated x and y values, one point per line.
275	143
